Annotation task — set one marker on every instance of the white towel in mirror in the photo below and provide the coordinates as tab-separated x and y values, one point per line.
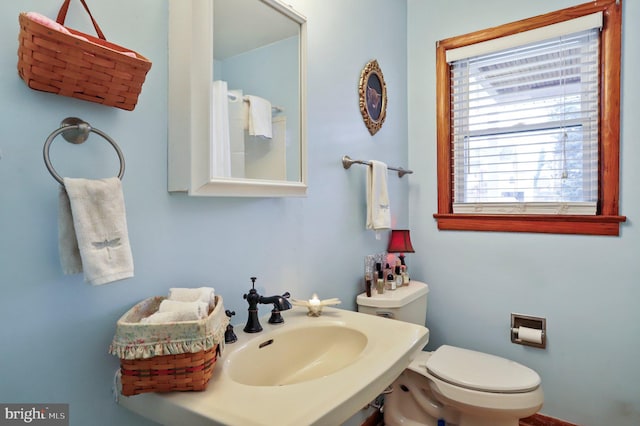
259	116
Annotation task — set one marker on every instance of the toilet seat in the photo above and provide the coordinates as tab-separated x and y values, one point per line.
480	371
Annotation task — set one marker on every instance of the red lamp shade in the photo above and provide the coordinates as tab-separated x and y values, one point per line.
400	242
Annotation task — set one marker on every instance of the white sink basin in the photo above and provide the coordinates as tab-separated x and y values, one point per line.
294	355
307	371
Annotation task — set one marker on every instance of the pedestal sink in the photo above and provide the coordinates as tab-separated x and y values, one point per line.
307	371
294	355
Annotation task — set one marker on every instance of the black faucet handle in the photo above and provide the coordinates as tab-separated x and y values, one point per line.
229	335
286	305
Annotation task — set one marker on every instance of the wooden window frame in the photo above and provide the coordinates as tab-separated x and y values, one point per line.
607	219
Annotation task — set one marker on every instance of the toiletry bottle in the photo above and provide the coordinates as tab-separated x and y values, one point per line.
387	271
380	283
398	277
391	282
405	275
405	272
369	278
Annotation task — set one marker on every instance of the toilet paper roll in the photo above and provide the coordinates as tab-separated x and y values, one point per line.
531	335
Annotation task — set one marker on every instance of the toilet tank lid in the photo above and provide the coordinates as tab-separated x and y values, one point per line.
481	371
394	298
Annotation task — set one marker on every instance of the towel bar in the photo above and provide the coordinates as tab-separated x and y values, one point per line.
76	131
347	162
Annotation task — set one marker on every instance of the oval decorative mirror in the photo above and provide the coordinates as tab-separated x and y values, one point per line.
237	98
373	96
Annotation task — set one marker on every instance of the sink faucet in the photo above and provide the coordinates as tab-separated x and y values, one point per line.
280	303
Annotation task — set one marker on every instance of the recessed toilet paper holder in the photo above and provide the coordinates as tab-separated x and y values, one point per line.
533	331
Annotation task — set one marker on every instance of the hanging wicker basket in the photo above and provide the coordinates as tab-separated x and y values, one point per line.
79	65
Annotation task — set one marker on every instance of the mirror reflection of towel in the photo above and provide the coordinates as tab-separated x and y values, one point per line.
259	116
378	210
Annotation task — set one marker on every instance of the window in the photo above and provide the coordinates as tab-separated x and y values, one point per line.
528	125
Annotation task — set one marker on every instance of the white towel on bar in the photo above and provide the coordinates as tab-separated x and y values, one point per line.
92	229
378	210
259	116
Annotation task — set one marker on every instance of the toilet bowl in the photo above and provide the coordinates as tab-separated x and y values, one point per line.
455	386
452	386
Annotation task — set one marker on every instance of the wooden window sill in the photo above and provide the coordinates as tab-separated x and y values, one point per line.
552	224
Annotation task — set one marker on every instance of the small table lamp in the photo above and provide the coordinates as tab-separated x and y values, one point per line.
400	242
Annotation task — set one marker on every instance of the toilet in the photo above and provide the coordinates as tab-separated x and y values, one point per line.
451	385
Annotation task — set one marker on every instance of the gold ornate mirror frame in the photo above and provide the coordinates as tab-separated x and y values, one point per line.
373	96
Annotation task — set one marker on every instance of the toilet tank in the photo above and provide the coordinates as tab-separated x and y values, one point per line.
407	303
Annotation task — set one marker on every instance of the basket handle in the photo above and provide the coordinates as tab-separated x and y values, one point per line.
62	15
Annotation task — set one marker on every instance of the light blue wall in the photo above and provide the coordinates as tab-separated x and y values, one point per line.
264	70
55	329
586	287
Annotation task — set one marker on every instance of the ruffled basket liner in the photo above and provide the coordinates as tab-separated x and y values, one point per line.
135	340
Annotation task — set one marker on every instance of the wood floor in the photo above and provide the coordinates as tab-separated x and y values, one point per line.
535	420
542	420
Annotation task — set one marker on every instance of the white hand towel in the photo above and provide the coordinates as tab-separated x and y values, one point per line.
67	241
378	210
200	309
170	316
92	230
201	294
259	116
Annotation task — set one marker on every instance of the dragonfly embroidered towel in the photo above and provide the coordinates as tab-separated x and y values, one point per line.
92	229
378	211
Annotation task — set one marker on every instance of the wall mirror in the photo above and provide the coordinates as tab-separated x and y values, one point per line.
237	81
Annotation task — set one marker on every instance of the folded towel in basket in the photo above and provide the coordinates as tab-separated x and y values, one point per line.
201	294
92	230
170	316
200	309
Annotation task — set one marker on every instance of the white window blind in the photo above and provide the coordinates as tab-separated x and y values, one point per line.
525	127
570	26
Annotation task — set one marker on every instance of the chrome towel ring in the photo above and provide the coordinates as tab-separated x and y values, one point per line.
76	131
